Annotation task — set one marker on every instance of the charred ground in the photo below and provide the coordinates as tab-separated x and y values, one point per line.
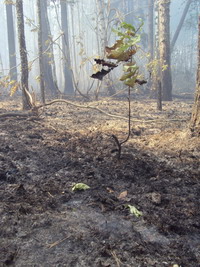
44	223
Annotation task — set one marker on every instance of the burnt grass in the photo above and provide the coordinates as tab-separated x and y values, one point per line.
45	223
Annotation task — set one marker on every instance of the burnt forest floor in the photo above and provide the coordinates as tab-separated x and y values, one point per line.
45	223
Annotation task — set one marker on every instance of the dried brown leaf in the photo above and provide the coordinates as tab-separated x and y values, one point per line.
123	195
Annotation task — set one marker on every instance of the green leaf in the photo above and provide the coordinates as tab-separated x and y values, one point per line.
80	186
136	39
141	23
129	75
131	82
119	33
130	67
134	211
126	76
128	26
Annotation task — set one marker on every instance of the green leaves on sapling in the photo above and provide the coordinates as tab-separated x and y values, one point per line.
123	50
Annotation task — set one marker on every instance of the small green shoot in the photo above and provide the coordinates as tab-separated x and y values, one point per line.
134	211
79	187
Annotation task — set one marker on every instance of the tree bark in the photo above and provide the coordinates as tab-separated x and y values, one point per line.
102	29
68	83
164	49
23	54
50	84
195	119
159	96
11	43
151	28
42	87
154	82
150	37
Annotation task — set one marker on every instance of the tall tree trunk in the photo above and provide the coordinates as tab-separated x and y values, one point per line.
23	54
50	84
2	68
150	36
53	63
164	49
155	77
42	88
11	42
195	119
151	28
185	11
101	34
101	27
68	86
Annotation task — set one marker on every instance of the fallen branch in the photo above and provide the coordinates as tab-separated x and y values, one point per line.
115	257
36	108
16	114
83	106
104	112
57	242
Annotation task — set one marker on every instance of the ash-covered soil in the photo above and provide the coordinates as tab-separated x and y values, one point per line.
44	223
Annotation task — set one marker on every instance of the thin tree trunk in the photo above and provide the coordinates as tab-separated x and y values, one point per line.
102	31
11	42
53	63
151	28
23	54
74	57
1	66
155	77
150	37
159	95
195	119
42	88
164	49
68	86
102	37
185	11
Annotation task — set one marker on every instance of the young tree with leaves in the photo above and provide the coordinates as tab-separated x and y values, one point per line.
122	51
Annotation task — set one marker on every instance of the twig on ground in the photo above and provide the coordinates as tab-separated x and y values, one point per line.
117	260
57	242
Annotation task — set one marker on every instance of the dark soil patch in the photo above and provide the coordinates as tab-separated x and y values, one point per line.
44	223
